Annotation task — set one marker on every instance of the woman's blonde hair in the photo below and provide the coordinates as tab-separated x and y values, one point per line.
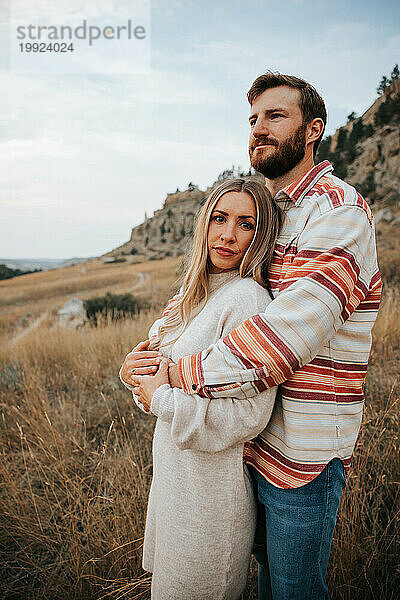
255	263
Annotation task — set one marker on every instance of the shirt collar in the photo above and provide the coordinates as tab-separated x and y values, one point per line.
299	188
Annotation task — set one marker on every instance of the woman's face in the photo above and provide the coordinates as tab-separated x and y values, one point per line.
231	229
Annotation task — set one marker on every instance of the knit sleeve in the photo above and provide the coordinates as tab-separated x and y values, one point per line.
207	425
202	424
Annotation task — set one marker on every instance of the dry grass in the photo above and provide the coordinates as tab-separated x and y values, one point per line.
76	458
75	466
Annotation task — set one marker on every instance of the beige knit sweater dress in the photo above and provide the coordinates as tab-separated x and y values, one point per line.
201	511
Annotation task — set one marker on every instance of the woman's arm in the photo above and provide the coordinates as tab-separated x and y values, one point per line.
206	425
211	425
199	423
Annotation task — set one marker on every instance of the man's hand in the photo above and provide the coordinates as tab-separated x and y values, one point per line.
145	386
141	361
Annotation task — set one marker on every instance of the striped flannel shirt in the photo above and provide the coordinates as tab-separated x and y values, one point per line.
313	340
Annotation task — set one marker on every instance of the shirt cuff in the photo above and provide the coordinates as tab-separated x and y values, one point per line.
162	403
191	373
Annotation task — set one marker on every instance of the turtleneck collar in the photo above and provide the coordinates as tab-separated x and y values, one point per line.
216	280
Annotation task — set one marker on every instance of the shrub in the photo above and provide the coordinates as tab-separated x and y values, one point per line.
7	273
388	111
114	306
386	81
395	74
341	140
339	162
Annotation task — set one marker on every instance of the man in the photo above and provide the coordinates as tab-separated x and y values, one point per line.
313	339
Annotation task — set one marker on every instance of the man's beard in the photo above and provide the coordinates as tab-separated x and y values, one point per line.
288	154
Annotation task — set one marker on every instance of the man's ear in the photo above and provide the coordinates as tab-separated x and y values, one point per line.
314	130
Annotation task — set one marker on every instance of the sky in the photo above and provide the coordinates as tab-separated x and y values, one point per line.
84	155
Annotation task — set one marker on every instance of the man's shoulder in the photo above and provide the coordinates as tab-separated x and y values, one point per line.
330	193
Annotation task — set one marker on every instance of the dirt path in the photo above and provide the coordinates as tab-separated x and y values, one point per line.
142	278
33	325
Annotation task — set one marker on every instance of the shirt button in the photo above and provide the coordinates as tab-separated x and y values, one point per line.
194	387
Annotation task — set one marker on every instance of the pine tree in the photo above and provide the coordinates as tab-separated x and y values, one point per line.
395	73
383	85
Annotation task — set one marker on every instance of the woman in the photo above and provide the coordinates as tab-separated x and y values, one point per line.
201	514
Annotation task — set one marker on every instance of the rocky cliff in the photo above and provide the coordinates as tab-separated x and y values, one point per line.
365	152
168	232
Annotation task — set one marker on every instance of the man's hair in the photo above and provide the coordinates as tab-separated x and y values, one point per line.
311	104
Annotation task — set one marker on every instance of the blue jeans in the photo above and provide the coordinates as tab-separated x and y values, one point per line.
294	535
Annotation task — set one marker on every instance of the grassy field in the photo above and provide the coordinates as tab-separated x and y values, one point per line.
76	456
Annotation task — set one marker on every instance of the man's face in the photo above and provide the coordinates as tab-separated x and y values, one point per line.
278	135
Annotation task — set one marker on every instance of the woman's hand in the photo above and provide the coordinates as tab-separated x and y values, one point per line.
141	361
145	386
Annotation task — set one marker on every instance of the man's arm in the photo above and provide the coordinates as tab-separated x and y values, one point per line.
327	279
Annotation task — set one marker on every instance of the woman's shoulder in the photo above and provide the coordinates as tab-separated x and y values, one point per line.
246	286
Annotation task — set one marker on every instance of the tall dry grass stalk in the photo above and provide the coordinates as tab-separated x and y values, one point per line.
75	466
